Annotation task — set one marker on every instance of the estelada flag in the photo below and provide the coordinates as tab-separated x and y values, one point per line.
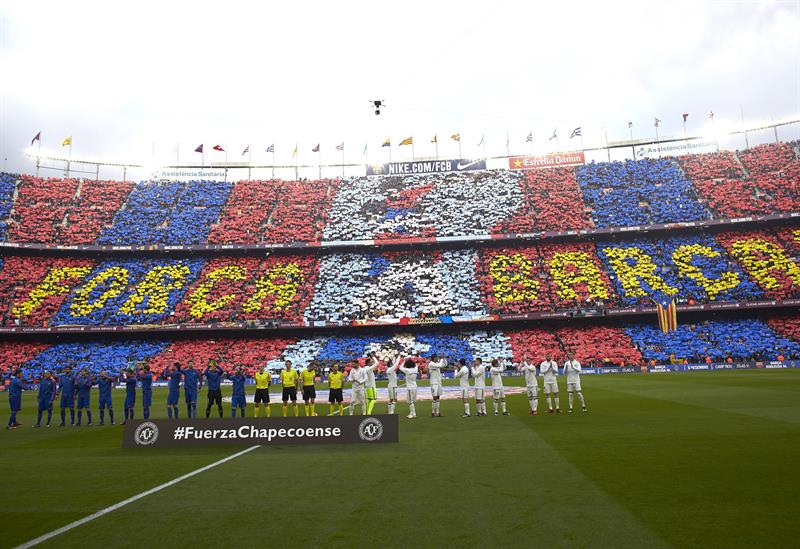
667	313
218	148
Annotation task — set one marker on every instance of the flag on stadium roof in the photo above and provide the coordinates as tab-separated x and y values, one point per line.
434	140
630	124
407	141
199	148
387	142
271	148
315	149
576	132
218	148
711	115
667	314
481	141
37	137
456	137
554	136
365	149
294	154
246	150
340	146
656	122
67	141
529	139
685	116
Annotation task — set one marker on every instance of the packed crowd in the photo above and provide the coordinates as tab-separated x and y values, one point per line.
341	287
760	180
631	344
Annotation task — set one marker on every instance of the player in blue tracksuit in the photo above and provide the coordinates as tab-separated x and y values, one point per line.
191	382
66	388
130	393
214	376
238	400
83	387
173	374
105	383
45	396
146	380
15	388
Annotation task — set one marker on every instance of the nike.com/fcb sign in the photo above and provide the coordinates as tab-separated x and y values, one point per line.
426	166
277	431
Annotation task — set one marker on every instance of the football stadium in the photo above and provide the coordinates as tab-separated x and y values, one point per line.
469	318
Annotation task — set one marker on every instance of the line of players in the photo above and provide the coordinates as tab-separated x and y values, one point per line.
71	388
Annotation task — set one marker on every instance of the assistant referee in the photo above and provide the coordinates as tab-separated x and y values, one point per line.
263	381
289	383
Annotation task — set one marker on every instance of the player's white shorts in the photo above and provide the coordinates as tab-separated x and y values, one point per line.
498	392
359	396
550	387
412	395
479	393
436	390
465	393
533	391
392	393
574	385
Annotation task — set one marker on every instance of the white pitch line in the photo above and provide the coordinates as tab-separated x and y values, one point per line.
100	513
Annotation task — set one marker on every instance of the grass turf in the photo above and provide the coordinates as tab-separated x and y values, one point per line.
688	460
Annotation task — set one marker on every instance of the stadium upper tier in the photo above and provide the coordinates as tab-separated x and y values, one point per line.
439	286
759	181
717	340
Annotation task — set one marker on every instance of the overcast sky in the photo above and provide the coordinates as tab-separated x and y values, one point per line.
129	81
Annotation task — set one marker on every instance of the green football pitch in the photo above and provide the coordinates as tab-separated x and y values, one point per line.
689	460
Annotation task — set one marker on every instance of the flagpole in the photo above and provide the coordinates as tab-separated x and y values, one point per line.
437	148
319	160
38	157
459	146
178	153
273	161
746	138
342	158
608	151
483	140
508	145
70	156
413	156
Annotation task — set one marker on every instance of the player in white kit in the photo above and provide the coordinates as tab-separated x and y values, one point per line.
358	379
371	390
549	370
435	367
462	375
479	373
391	373
572	369
498	392
409	368
531	383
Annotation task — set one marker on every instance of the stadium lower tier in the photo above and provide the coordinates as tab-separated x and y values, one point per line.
717	340
731	266
761	180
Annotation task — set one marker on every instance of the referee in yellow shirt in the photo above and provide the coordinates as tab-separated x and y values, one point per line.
263	381
289	382
309	391
335	380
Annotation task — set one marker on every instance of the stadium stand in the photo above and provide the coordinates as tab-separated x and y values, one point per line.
413	286
633	344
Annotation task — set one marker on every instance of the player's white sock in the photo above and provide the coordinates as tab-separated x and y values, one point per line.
570	398
412	410
466	408
503	405
580	397
557	405
391	408
494	403
549	402
533	403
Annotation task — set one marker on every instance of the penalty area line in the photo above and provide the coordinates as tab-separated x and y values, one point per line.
123	503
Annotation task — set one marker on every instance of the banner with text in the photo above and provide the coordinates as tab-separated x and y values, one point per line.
547	161
676	148
279	431
426	166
